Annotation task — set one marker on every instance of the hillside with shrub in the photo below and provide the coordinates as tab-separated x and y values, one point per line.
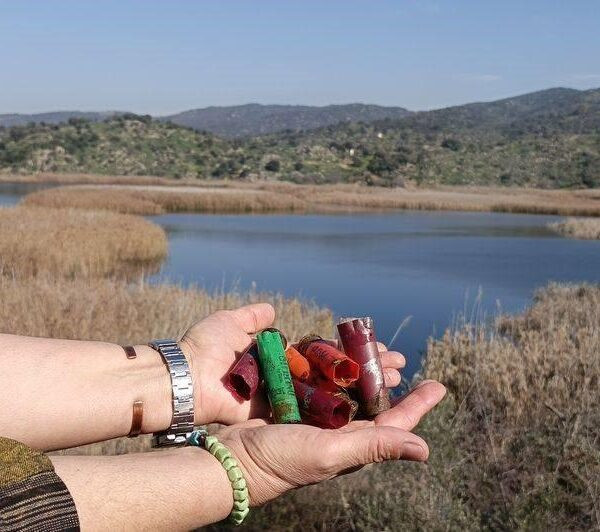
547	139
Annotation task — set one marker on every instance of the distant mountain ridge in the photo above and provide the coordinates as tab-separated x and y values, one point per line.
53	117
238	120
256	119
549	138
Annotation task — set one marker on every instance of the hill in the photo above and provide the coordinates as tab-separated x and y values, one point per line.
235	121
545	139
255	119
549	138
54	117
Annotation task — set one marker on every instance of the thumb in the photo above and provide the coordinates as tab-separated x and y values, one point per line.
255	317
377	444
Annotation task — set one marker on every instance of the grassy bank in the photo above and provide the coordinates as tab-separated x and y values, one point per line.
586	228
262	196
75	243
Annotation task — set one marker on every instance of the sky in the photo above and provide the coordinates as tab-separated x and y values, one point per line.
163	57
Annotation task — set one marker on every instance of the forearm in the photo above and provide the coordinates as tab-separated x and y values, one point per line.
62	393
179	489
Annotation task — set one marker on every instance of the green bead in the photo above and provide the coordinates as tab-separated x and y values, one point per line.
234	474
239	484
237	517
240	495
241	505
221	453
228	463
209	441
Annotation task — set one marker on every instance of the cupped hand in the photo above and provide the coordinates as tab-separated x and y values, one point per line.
212	346
278	458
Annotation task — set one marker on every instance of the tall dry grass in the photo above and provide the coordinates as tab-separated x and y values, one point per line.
256	197
75	243
158	200
586	228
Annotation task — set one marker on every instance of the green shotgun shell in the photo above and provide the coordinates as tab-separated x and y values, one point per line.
278	380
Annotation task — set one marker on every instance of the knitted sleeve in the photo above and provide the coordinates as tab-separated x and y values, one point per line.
32	496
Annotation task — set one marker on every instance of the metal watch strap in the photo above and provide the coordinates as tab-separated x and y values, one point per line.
182	423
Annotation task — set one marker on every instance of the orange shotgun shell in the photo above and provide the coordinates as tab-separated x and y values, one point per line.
299	366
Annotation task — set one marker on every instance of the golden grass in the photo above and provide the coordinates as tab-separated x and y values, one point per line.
586	228
257	197
158	200
71	242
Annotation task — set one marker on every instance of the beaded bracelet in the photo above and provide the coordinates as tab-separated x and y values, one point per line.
241	500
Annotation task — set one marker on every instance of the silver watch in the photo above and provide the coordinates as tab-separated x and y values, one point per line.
182	423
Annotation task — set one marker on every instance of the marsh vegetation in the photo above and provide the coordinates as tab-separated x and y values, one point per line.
234	197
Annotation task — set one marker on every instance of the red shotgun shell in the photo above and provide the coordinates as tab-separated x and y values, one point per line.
244	376
323	409
358	339
332	363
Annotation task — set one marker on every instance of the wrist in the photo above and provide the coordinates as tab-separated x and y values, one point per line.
152	387
203	405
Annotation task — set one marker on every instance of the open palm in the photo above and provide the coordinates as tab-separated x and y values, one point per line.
278	458
212	346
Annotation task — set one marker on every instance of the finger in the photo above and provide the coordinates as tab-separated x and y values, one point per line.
381	347
254	318
391	377
349	450
407	414
392	359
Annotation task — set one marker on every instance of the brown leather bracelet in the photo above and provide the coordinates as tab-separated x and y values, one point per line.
138	406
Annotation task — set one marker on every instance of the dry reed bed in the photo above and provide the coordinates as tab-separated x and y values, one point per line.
586	228
75	243
236	197
158	200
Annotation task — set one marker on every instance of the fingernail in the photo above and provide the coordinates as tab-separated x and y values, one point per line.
413	450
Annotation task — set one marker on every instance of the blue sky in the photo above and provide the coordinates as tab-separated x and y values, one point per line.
162	57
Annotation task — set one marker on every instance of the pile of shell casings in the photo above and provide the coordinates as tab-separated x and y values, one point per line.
312	381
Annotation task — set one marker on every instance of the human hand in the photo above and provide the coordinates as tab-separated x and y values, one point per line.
211	347
278	458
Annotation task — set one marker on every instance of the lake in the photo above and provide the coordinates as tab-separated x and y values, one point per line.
429	266
426	265
11	193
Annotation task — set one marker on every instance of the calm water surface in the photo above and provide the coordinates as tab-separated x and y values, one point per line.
427	265
11	193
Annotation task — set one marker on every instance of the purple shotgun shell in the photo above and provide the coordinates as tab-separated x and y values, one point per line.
244	376
358	339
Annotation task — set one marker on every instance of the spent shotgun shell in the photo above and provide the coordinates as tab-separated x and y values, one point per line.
244	376
324	409
299	366
276	374
334	364
358	340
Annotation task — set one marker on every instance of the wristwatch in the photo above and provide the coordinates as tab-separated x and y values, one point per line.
182	422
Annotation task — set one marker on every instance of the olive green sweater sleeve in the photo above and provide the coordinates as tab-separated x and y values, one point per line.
32	496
